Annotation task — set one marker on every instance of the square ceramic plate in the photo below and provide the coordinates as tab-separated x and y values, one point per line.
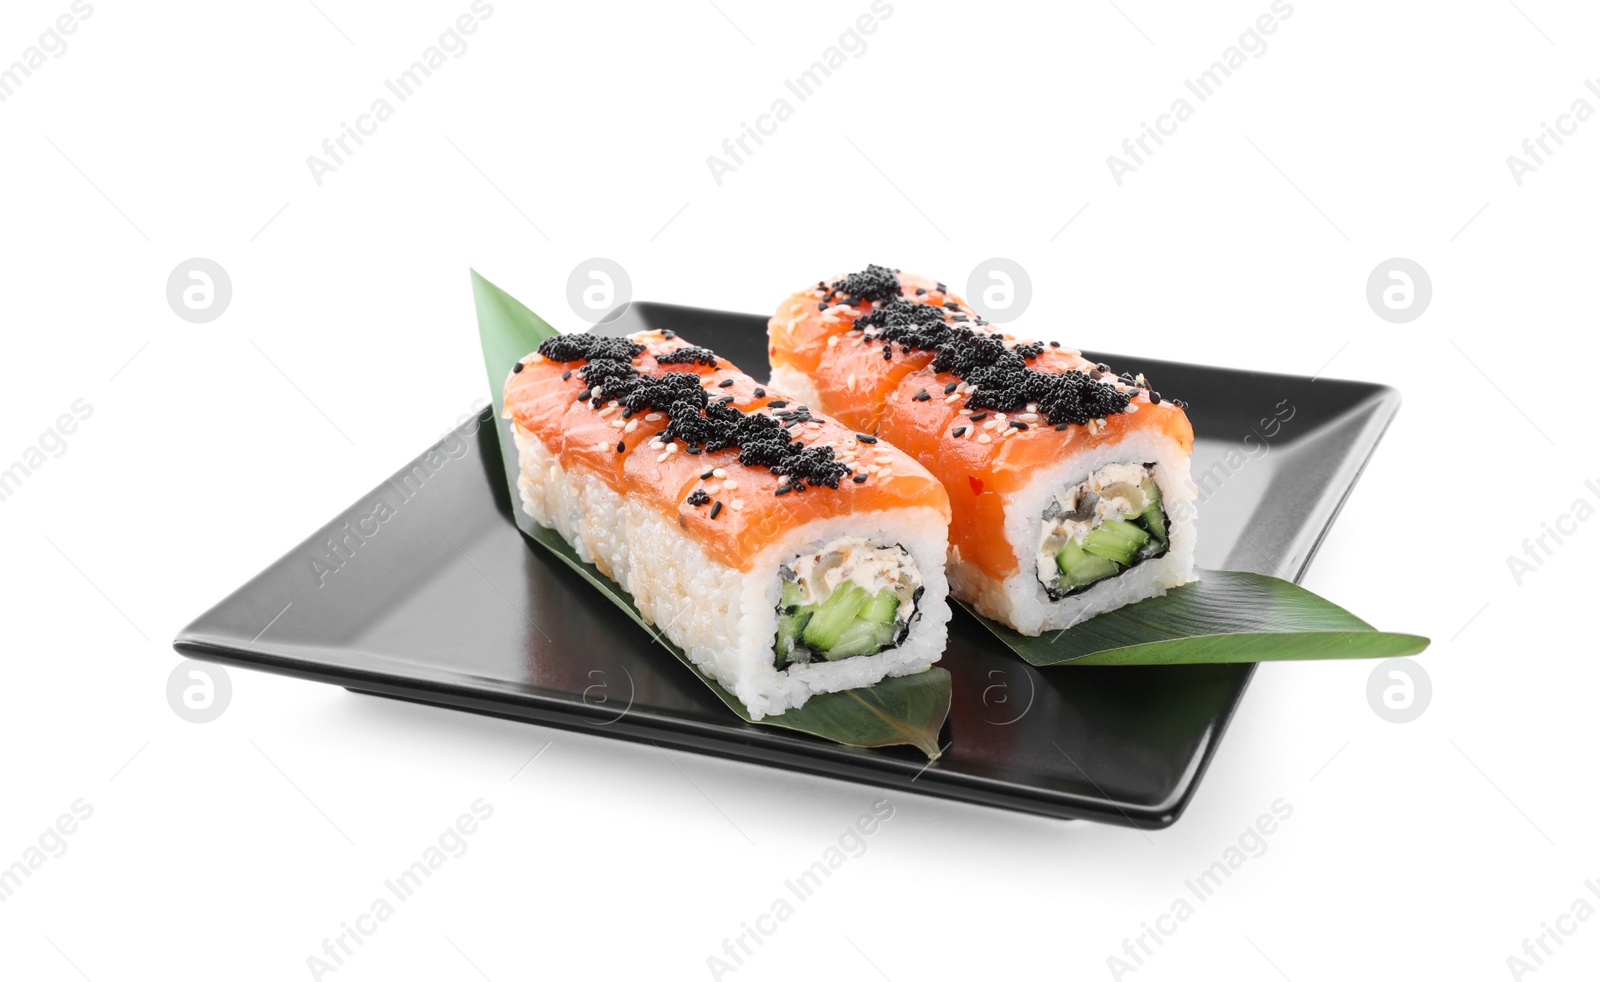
425	590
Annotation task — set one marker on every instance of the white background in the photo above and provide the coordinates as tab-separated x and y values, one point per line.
232	849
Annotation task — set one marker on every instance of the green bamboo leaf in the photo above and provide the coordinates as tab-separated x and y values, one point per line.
1222	617
906	710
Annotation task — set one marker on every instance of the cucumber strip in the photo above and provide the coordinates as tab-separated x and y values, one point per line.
860	638
1079	568
835	614
1116	540
883	607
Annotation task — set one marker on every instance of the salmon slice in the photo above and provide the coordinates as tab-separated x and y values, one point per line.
745	507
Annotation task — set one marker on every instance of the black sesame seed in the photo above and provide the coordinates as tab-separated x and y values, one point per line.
958	431
777	404
1062	426
707	475
1055	344
951	387
922	395
516	368
863	438
977	417
566	375
822	305
583	395
725	383
760	393
860	479
669	335
622	446
1155	397
780	492
715	508
1018	424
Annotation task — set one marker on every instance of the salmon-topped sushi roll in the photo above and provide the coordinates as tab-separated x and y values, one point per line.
1069	486
784	552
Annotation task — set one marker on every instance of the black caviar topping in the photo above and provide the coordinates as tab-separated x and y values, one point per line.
690	355
998	377
693	418
875	284
698	497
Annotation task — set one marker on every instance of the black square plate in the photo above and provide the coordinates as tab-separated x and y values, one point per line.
426	591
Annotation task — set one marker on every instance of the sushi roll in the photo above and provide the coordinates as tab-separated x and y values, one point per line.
1069	486
785	553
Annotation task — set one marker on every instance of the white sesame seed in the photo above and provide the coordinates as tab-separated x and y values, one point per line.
737	505
718	472
1033	407
833	340
1029	417
605	412
850	383
783	480
617	423
991	424
630	425
1133	407
652	417
983	438
663	455
952	397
